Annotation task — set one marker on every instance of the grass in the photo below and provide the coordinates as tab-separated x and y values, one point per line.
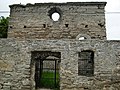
48	80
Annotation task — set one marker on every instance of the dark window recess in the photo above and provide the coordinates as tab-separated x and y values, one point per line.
25	27
86	63
66	25
44	26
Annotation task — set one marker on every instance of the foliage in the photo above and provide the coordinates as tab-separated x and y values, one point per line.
3	27
47	80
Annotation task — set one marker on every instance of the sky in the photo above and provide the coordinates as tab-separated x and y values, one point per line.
112	11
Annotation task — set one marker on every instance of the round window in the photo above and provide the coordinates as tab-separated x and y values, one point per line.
55	13
55	16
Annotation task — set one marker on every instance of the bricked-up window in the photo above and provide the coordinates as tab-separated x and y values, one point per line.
86	63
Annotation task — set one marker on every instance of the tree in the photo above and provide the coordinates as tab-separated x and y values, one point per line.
3	27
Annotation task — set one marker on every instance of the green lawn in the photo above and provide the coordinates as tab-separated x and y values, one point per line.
48	80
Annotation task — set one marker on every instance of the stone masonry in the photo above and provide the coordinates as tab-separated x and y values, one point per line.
31	28
15	64
78	19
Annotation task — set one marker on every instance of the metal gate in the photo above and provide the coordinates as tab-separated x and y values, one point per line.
47	72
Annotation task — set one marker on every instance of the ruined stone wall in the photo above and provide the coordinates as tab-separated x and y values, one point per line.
80	19
14	66
17	70
106	66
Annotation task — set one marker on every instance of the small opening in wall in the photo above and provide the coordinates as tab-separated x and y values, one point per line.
10	26
100	24
86	88
82	38
89	62
86	26
24	26
44	26
55	13
66	25
55	16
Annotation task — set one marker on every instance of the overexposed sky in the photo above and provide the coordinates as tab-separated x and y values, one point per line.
112	13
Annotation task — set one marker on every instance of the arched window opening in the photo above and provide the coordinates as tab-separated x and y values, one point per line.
82	38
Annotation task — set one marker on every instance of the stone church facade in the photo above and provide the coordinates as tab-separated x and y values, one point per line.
35	40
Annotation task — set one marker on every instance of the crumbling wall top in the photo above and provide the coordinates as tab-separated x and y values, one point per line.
67	3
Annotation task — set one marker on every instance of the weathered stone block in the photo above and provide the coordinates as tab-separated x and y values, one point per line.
5	65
